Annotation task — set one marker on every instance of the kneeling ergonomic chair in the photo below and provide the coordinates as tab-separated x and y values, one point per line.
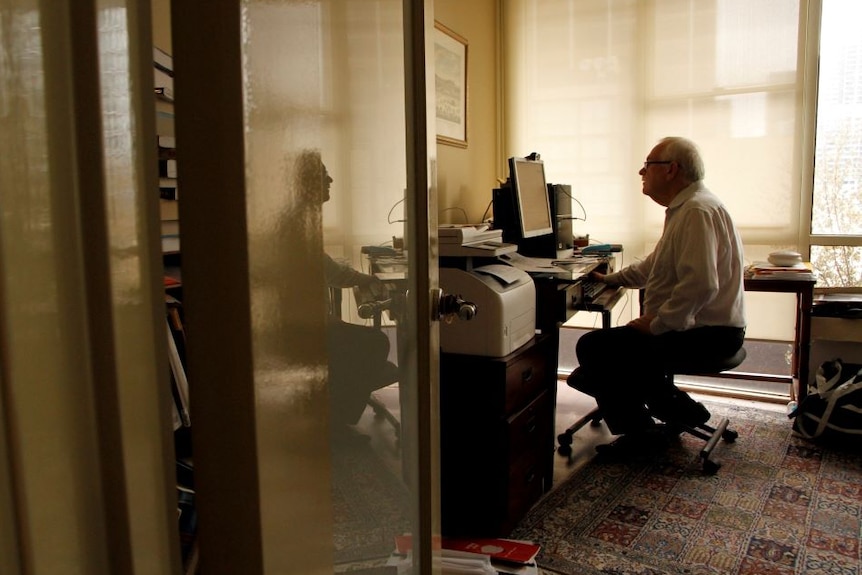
704	431
368	307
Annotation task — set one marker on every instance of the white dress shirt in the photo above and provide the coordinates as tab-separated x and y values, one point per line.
694	276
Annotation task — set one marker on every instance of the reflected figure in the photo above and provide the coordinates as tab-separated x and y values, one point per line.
358	354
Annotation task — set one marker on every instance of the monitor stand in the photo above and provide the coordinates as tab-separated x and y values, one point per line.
538	247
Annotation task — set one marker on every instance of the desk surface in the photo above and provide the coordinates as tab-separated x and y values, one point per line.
779	286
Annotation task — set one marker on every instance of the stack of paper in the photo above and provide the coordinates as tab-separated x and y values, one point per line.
473	556
764	270
450	563
465	235
462	563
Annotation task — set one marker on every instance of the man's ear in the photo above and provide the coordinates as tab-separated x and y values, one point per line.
672	171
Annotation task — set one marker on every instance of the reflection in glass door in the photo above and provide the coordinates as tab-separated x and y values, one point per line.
301	297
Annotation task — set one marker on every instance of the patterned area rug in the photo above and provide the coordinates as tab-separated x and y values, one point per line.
778	506
370	505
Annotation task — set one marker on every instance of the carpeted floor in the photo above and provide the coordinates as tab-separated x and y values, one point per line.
778	506
370	504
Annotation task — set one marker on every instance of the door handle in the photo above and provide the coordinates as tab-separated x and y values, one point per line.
449	307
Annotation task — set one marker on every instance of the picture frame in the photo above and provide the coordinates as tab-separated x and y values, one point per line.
450	79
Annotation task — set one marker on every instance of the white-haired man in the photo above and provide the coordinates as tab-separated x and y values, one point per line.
692	307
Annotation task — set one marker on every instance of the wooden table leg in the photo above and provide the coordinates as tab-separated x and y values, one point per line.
806	302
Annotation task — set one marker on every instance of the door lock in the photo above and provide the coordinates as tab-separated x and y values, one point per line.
450	307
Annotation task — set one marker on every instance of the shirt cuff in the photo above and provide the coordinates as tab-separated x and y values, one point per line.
656	327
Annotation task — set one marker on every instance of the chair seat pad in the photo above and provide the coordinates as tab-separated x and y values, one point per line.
707	368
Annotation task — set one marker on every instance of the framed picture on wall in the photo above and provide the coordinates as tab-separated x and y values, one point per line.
450	80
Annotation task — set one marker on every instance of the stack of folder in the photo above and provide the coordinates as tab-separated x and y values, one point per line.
766	271
472	240
467	234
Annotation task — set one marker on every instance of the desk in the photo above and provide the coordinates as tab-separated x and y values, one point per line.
497	418
804	290
555	305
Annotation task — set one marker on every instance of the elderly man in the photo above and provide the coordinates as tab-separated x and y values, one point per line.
692	307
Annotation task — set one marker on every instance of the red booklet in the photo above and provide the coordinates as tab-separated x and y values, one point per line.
507	550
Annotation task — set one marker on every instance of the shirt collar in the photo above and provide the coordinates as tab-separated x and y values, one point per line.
685	195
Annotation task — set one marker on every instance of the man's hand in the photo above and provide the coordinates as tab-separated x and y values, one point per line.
597	276
367	280
642	323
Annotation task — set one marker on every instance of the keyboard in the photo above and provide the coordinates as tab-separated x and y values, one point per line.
591	289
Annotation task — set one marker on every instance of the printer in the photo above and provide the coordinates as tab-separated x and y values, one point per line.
505	299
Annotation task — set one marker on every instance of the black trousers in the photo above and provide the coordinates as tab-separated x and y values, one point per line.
358	365
626	370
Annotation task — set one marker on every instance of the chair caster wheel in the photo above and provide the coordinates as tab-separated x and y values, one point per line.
565	441
729	435
710	467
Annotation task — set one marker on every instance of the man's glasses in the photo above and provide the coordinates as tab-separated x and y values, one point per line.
648	162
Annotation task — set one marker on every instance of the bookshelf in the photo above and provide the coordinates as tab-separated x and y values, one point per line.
169	222
163	71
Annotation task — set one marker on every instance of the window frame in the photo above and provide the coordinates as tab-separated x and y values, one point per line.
810	34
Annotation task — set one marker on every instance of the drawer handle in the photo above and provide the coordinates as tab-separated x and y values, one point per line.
531	476
527	375
531	426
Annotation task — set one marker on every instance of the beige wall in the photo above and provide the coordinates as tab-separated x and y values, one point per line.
161	10
466	176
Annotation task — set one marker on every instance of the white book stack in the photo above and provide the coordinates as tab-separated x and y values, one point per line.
472	240
767	271
465	235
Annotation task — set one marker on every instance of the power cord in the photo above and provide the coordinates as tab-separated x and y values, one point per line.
466	219
392	209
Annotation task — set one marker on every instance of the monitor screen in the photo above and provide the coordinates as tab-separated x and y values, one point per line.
531	193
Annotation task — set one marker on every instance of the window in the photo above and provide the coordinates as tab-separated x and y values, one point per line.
591	85
836	206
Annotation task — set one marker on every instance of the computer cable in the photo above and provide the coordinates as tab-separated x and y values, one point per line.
485	213
392	209
580	205
462	210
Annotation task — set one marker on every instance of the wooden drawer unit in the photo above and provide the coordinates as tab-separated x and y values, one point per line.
497	437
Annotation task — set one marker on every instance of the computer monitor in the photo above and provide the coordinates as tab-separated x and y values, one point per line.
533	208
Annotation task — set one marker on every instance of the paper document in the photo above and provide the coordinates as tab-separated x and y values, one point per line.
535	265
505	274
484	249
570	271
463	563
577	267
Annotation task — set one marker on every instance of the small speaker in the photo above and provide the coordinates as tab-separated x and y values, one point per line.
561	208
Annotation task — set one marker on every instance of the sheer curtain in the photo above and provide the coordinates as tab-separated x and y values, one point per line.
593	84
